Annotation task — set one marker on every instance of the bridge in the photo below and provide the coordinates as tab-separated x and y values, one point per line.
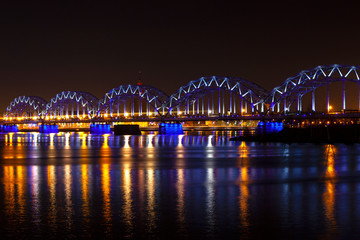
301	97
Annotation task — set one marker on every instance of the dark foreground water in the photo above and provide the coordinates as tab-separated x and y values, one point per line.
199	186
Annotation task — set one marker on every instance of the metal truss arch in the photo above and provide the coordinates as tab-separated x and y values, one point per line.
26	104
246	90
86	100
306	81
153	96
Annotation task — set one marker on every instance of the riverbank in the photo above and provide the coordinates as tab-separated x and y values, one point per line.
313	134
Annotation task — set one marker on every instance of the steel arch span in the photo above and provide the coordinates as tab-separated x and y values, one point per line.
295	87
116	98
27	105
61	105
195	91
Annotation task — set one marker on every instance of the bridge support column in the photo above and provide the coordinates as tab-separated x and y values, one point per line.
132	106
197	106
208	104
223	104
212	109
187	107
118	109
313	101
72	110
327	98
230	100
241	106
125	108
111	109
359	95
234	103
285	110
77	110
278	107
219	102
202	106
140	106
299	103
344	104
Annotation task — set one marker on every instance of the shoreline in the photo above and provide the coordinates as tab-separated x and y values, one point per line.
315	134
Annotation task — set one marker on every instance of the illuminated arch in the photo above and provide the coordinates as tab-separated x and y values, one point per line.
295	87
31	106
153	98
86	102
250	92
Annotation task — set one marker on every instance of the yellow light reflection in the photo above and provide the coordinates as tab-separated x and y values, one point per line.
150	187
83	137
126	140
67	140
127	209
35	192
181	197
68	203
85	190
9	189
21	188
10	138
106	141
51	136
52	195
105	175
210	196
330	178
244	188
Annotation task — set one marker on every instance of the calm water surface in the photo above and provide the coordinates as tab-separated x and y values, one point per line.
198	185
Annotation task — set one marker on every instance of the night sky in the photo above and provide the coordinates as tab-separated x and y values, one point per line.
49	47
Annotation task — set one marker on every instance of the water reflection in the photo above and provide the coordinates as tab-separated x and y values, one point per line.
68	192
127	206
106	195
134	186
244	189
52	196
150	199
330	191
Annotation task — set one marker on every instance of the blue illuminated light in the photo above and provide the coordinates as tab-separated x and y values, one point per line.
270	127
100	128
9	128
170	128
45	128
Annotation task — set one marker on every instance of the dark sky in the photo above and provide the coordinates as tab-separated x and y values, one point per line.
48	47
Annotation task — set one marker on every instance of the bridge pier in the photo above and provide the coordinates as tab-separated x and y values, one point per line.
8	128
313	101
97	128
170	128
48	128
